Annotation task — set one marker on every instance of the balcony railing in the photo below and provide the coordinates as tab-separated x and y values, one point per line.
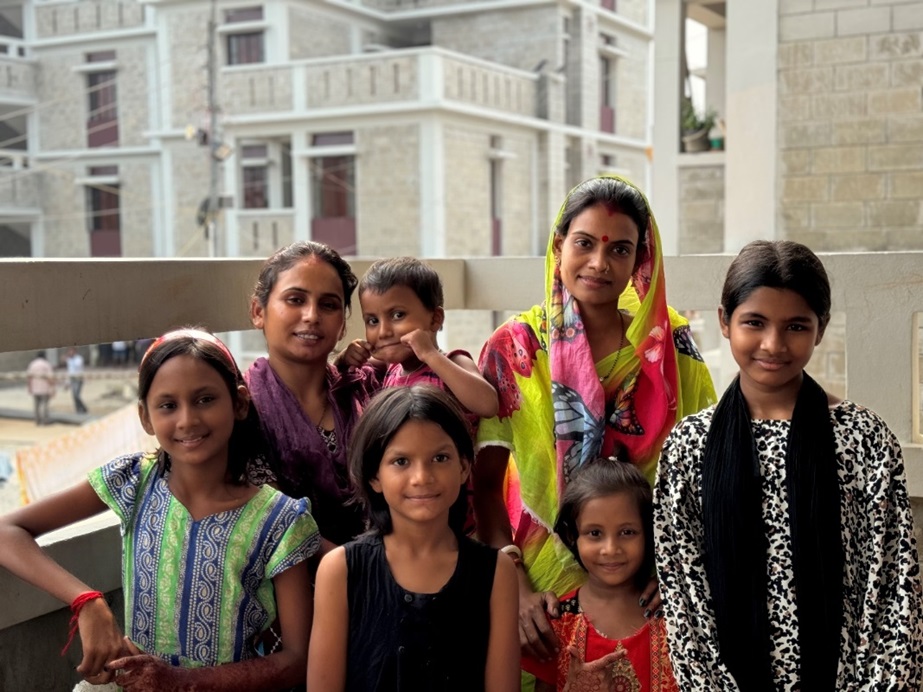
123	299
407	78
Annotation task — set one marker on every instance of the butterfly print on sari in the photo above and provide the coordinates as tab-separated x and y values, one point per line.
510	352
574	422
623	418
682	337
565	322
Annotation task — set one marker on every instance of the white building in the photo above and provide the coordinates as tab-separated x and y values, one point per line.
425	127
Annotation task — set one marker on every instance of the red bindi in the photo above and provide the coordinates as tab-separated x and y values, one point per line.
605	239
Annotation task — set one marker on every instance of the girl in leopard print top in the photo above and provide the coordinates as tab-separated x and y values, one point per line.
784	532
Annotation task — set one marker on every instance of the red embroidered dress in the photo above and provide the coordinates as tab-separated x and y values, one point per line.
645	667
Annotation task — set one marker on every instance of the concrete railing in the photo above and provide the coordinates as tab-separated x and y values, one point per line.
17	74
405	78
93	301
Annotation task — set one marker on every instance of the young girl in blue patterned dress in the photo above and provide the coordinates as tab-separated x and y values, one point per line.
208	558
414	604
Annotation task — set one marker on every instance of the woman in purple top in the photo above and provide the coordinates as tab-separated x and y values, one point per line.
307	407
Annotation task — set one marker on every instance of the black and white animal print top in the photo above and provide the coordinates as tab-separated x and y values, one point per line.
882	637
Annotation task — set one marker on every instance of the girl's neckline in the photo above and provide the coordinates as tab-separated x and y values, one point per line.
831	407
454	575
263	489
605	636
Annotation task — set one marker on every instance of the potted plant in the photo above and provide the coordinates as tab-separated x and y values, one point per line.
696	127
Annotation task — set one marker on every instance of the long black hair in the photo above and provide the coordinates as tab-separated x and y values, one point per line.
388	411
736	544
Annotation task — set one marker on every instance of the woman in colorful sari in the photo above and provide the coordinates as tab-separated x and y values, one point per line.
603	367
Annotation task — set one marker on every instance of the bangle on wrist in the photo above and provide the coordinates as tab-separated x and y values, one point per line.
515	553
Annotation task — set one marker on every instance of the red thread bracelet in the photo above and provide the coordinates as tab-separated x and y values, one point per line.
76	607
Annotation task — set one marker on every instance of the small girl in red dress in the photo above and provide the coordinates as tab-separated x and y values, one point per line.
606	641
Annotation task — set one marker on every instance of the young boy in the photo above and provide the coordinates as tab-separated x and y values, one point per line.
401	301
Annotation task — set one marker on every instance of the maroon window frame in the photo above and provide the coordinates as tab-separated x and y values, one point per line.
103	118
334	202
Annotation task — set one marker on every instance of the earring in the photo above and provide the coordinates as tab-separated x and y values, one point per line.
557	260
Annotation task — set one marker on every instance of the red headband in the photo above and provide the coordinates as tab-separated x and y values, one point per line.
191	334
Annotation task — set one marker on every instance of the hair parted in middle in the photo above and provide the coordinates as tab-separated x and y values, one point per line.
782	264
600	478
285	258
418	276
388	411
617	196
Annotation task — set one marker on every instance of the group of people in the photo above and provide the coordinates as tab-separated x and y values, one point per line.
572	512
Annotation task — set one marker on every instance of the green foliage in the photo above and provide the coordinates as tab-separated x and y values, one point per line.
692	121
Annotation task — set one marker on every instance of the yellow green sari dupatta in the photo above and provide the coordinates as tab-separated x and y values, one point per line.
555	414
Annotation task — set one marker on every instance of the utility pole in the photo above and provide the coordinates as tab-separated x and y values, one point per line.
211	224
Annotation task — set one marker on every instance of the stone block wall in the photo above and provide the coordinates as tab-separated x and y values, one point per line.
388	190
467	198
64	206
187	65
520	38
850	117
313	34
189	176
701	209
631	89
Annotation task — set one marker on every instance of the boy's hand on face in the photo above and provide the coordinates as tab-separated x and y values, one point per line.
422	342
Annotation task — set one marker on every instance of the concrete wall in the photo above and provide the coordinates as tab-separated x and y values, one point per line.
519	38
313	34
185	66
701	209
851	124
388	190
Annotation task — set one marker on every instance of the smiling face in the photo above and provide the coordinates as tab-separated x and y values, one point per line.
304	315
610	540
190	410
597	256
421	474
395	313
772	335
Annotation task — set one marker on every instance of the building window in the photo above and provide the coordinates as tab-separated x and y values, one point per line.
103	213
333	191
244	45
608	64
255	174
103	116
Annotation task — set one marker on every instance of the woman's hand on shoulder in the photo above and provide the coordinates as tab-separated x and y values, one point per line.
651	600
536	636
